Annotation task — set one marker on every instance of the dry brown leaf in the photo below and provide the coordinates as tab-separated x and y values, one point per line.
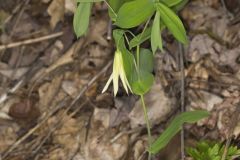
159	105
70	88
203	100
121	110
96	34
14	74
138	149
67	57
100	148
53	53
8	135
70	6
56	10
102	115
69	136
48	92
55	153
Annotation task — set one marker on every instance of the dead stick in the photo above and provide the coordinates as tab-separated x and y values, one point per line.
30	41
181	55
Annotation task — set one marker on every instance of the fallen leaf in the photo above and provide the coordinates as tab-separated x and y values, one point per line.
48	92
159	105
56	10
14	74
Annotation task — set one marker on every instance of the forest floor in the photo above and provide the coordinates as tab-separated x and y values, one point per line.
51	105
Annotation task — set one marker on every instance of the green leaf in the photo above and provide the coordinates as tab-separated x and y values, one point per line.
171	3
115	5
141	79
174	127
146	60
133	13
81	18
89	0
180	5
156	39
143	83
140	38
173	22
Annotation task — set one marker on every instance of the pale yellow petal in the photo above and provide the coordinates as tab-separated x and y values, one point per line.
123	79
116	70
107	84
128	84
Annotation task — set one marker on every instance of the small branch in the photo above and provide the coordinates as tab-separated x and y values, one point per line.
181	54
109	30
30	41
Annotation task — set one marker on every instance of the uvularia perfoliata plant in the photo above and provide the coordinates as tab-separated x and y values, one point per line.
133	64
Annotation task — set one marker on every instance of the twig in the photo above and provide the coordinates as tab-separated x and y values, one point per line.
31	41
19	17
227	11
181	54
109	30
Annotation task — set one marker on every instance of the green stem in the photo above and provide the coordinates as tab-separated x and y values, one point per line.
145	26
115	14
147	124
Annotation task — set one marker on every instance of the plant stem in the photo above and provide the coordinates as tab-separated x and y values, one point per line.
115	14
145	26
147	124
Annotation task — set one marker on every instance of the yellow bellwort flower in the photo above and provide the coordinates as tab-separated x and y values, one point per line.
118	71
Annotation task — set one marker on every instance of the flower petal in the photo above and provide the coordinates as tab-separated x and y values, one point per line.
108	83
123	79
116	70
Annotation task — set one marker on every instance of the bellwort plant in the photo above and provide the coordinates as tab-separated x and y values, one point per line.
132	63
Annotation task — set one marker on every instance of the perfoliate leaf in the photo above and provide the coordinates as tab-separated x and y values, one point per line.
133	13
156	39
81	18
146	60
115	5
141	79
173	22
143	83
174	127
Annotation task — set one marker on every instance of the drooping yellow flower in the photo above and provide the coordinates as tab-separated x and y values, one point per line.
118	71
